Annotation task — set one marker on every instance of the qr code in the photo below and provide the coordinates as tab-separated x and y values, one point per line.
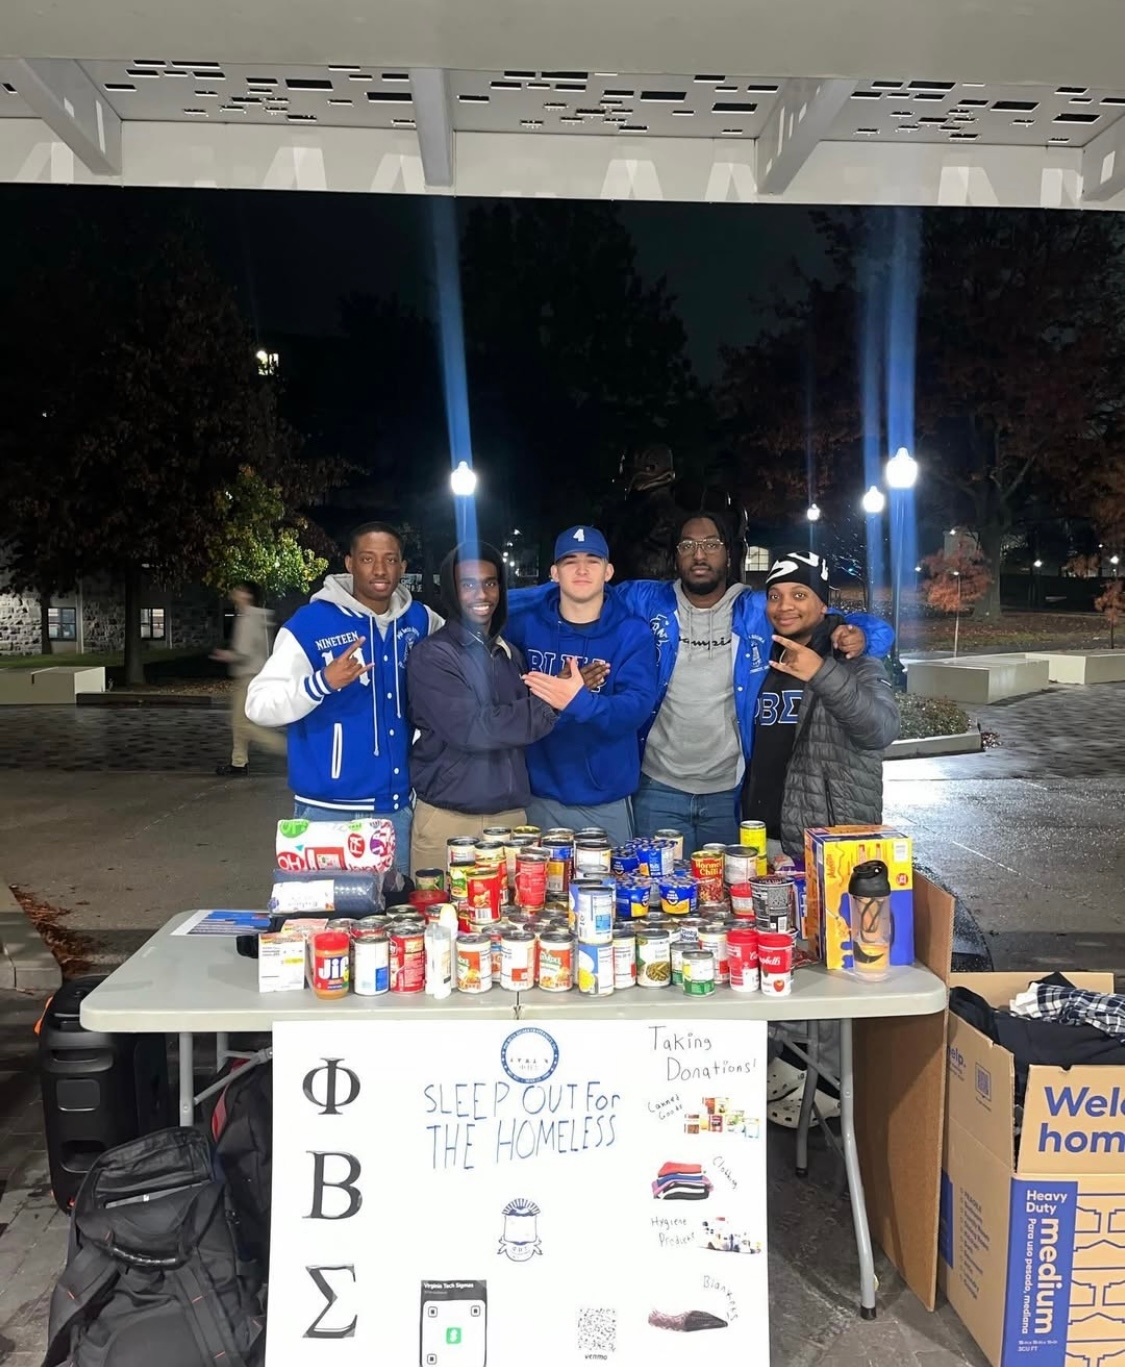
597	1334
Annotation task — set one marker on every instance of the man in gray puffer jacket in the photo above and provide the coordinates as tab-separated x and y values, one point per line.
822	721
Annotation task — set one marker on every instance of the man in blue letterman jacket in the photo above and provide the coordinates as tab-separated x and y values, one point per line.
586	770
337	679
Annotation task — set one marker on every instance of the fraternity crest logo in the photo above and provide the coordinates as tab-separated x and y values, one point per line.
661	631
407	640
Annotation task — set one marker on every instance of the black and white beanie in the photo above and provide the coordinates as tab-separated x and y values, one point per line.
801	567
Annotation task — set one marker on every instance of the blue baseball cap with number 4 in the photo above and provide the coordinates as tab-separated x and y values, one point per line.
581	541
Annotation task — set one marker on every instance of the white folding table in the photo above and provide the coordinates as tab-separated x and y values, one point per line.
197	984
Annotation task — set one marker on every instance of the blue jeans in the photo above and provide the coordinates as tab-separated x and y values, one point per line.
400	820
615	818
703	818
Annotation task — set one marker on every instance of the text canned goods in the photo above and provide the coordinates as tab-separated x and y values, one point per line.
531	878
460	849
714	938
592	905
631	897
407	959
753	834
595	970
624	860
474	963
741	863
371	971
679	895
677	840
592	857
430	880
654	958
707	870
517	960
699	972
483	884
556	961
624	957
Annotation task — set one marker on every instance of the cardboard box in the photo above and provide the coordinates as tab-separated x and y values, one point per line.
831	853
281	962
1033	1226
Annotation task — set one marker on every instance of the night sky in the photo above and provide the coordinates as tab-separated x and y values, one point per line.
292	255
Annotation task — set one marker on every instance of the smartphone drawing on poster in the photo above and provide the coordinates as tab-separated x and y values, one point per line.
454	1324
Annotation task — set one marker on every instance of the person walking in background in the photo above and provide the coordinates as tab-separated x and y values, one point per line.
337	679
474	714
249	649
585	771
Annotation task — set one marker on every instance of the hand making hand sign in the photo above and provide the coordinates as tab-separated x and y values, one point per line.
557	690
800	661
347	666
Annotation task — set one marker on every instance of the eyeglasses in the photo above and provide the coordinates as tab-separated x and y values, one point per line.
709	546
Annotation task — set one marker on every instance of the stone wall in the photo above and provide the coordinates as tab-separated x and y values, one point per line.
19	623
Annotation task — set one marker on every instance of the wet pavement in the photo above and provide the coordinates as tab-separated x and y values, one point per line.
117	817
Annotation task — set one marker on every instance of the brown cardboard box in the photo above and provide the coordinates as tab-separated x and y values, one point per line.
900	1080
1033	1227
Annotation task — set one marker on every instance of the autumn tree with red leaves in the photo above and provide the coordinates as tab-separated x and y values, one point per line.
1111	604
953	583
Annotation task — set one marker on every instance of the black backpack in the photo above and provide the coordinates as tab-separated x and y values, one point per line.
240	1127
152	1272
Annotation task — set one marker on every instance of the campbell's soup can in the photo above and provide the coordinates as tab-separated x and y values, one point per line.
371	972
707	870
460	849
676	839
531	878
407	959
430	880
474	963
753	834
742	952
595	970
556	961
591	910
593	857
624	958
483	885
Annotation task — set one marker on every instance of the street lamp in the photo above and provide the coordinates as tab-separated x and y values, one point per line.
463	480
902	470
813	513
874	501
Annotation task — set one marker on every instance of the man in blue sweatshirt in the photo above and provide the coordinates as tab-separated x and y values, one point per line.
586	770
337	679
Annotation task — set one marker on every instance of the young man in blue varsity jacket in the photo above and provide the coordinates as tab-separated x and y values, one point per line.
337	679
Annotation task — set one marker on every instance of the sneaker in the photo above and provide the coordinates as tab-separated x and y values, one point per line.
232	770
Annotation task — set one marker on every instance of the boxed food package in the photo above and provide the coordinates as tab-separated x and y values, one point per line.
831	853
281	961
1032	1254
311	845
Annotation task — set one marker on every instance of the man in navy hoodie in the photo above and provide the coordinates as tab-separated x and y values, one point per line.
473	711
337	679
585	771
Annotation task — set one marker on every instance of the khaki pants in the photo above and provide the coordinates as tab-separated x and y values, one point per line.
243	730
433	826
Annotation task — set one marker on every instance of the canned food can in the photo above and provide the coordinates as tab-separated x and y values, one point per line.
491	854
624	958
775	902
753	834
560	859
501	833
460	849
517	960
715	847
742	950
482	892
520	831
371	971
677	959
677	839
459	884
592	905
631	897
679	895
495	933
714	938
407	959
591	833
699	972
654	958
595	970
474	963
707	870
556	961
592	857
740	864
624	860
531	878
430	880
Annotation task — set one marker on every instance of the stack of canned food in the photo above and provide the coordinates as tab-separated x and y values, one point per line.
561	909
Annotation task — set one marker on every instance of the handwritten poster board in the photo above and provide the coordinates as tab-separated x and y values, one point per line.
456	1194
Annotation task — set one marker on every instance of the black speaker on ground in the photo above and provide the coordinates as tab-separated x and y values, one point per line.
98	1090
